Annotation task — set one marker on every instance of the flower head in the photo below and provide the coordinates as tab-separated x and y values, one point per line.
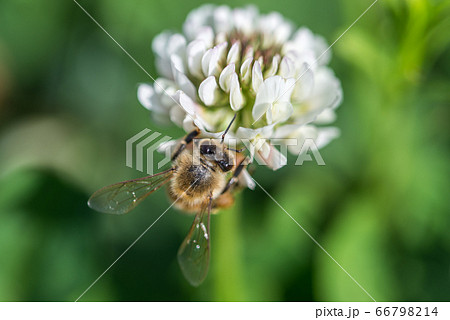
259	66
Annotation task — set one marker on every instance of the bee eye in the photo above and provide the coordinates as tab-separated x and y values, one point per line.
207	149
225	165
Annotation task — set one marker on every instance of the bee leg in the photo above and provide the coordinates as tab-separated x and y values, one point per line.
235	176
188	139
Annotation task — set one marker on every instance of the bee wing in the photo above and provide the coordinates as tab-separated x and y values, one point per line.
122	197
193	255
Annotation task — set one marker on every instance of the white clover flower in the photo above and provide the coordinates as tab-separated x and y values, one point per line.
230	61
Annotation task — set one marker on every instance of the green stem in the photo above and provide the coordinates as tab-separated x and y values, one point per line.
227	258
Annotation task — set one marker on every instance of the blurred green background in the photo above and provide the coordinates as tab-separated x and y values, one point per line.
380	206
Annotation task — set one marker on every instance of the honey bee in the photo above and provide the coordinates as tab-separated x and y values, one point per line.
202	179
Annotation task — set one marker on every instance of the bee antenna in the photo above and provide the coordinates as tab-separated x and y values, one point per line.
236	150
229	126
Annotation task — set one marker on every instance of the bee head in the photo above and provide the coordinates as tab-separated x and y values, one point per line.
217	153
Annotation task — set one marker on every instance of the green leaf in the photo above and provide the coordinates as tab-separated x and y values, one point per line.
358	241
